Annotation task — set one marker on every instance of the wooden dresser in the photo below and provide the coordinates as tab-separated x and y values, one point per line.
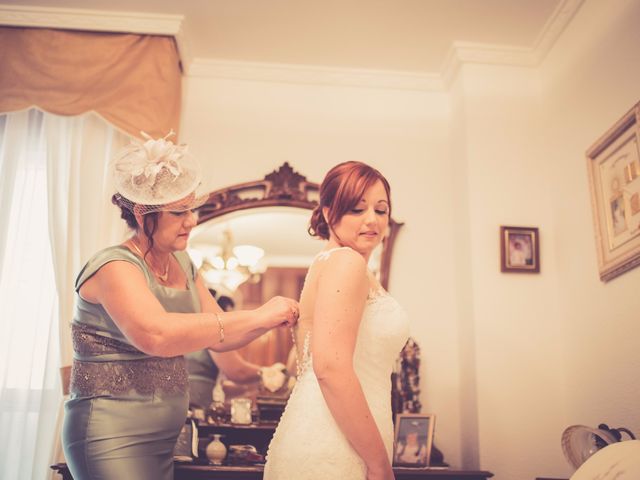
260	435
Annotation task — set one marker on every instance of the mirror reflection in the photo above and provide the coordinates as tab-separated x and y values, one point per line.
251	256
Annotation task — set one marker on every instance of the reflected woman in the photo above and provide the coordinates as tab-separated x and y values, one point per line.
348	337
207	368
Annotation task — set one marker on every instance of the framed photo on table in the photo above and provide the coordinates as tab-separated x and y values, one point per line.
186	447
613	163
519	250
413	439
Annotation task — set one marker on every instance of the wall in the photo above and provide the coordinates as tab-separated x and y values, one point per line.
589	80
558	348
510	322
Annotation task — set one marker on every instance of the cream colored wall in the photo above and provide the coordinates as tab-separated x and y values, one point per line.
589	80
510	322
509	360
558	348
244	130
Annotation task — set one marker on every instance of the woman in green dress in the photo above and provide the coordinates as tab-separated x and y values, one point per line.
140	306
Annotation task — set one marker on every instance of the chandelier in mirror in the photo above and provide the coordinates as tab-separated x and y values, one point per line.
226	266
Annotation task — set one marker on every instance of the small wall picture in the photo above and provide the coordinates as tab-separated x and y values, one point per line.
413	439
520	249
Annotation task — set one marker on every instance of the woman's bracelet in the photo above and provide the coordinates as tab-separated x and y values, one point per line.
220	328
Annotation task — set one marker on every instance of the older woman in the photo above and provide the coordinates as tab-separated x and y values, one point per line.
140	306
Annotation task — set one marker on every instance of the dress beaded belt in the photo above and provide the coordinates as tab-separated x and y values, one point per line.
106	366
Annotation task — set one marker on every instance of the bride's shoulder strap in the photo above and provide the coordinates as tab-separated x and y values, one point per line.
325	254
343	262
339	259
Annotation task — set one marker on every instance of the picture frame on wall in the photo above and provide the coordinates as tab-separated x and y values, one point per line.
613	164
413	439
519	250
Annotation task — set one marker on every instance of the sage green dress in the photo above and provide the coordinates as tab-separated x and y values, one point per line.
126	408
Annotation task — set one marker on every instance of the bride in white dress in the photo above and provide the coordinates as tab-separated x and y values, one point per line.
338	421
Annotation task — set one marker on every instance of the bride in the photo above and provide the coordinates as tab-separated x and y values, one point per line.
337	423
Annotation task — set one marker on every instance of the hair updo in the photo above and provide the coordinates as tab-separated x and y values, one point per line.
340	191
149	220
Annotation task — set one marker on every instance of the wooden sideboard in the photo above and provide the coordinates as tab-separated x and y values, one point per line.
185	471
260	435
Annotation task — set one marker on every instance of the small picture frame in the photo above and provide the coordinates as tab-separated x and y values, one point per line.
413	439
186	447
519	250
613	163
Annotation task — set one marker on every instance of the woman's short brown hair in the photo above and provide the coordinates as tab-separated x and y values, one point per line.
340	191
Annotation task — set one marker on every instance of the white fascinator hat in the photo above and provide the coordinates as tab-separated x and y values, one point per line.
156	175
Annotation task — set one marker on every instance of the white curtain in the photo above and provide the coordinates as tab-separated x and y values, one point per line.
55	212
82	218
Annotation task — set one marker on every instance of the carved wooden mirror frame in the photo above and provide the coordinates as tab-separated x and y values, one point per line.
286	188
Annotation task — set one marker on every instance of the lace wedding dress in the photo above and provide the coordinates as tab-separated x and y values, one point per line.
308	444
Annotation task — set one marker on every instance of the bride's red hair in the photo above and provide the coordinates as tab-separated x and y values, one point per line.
340	191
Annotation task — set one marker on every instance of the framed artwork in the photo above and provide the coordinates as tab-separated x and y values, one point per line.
613	163
413	439
186	447
519	249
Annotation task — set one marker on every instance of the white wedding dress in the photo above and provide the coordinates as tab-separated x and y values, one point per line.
308	444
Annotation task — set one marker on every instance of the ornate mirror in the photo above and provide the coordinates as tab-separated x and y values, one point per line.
251	243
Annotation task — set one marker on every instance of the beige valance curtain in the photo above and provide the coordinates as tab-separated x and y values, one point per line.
132	81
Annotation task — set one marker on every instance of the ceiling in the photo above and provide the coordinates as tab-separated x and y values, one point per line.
396	35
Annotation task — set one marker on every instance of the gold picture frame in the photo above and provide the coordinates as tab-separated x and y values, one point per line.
413	439
613	163
519	250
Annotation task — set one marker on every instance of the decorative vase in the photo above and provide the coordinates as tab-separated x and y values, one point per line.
216	450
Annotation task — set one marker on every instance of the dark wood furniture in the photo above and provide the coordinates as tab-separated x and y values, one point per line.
260	435
209	472
257	434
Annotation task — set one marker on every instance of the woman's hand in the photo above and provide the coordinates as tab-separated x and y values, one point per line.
279	311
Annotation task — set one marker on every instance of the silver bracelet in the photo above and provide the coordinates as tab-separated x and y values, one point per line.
220	328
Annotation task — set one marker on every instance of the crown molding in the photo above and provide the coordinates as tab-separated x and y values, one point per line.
459	54
466	52
556	24
96	20
286	73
